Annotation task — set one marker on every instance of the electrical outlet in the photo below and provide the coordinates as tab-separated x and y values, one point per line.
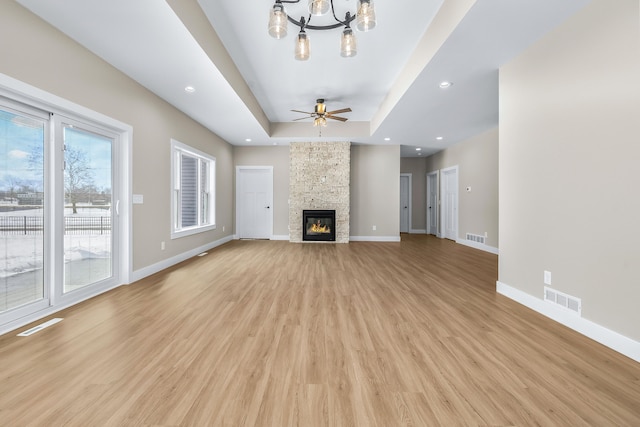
223	228
375	228
547	277
162	246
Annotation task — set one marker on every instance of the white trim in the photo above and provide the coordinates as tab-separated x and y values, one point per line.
414	231
374	238
480	246
164	264
596	332
279	237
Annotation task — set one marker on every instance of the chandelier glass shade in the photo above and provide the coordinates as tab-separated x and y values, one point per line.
364	16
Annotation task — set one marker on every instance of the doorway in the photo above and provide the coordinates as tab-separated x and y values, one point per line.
432	203
449	202
405	202
254	202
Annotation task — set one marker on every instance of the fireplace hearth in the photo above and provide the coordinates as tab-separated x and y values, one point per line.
319	225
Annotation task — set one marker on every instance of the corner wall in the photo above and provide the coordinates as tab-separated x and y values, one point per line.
569	151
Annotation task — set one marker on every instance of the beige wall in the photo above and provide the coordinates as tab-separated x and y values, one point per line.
477	159
37	54
375	191
278	157
417	167
569	152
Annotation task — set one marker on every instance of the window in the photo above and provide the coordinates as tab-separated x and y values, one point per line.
193	190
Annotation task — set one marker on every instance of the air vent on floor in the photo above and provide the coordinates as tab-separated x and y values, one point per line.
563	300
39	327
475	238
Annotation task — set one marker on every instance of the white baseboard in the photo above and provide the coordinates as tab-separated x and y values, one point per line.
280	237
159	266
374	238
416	231
596	332
480	246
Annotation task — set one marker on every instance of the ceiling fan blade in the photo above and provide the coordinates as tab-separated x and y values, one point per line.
302	118
303	112
342	119
344	110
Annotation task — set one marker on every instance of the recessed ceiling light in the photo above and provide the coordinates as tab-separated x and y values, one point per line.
189	89
439	138
387	139
248	140
418	149
445	84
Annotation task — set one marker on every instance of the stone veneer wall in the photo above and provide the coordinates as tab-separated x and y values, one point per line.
319	178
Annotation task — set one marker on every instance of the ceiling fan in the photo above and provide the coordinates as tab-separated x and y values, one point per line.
320	114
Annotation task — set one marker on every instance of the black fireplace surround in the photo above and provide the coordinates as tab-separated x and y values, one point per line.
319	225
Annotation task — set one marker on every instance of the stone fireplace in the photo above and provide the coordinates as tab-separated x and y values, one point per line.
319	180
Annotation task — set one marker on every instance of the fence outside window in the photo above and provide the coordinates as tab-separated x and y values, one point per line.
73	225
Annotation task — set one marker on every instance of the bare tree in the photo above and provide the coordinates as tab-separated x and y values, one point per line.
78	176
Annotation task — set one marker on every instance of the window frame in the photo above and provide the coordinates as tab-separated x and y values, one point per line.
178	149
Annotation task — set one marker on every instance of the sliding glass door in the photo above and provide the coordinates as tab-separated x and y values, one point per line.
59	222
89	211
23	137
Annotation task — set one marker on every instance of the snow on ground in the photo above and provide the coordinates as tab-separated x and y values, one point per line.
21	253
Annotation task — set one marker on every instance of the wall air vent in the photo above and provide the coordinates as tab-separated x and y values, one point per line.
563	300
476	238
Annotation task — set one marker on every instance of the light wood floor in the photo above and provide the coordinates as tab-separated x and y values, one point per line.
262	333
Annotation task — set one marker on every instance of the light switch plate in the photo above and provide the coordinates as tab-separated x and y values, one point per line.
138	199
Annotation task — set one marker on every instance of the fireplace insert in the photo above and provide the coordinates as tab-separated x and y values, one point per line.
319	225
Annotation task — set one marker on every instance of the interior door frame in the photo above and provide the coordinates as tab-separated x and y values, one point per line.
239	171
410	187
443	173
433	175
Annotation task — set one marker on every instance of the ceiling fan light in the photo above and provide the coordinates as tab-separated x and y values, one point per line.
278	21
365	15
302	46
348	46
320	121
318	7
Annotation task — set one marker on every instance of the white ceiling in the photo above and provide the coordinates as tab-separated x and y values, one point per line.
247	82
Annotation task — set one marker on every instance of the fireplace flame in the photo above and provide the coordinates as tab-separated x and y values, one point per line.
317	228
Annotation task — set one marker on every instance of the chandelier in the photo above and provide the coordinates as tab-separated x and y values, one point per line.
365	18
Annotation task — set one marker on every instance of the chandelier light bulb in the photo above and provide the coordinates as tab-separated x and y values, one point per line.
318	7
302	46
348	46
278	22
365	16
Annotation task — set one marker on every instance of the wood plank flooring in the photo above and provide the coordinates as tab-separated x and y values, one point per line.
260	333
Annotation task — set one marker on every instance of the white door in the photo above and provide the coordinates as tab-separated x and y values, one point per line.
432	203
449	192
254	202
405	202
